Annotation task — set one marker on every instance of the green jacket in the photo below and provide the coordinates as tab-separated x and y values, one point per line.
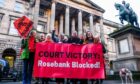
25	50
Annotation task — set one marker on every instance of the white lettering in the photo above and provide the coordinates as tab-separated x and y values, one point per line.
67	64
53	64
85	65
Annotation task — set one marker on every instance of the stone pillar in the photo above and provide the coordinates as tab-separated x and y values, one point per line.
67	20
56	27
102	30
52	20
80	29
36	13
91	27
73	24
61	24
84	26
48	21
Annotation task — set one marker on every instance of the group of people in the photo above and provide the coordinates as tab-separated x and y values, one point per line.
53	38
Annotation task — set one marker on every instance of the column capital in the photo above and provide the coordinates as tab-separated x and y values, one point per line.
80	11
101	17
67	6
91	14
53	1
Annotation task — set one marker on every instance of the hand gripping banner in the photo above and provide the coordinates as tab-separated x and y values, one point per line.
53	60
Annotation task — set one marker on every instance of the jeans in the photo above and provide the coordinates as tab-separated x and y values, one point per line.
28	69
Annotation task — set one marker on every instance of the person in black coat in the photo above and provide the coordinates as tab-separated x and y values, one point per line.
81	39
74	38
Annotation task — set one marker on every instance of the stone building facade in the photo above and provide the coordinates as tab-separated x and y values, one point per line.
65	16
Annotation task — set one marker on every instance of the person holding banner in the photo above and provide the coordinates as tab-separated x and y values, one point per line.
66	38
58	40
81	39
28	53
41	39
88	40
49	38
97	40
74	39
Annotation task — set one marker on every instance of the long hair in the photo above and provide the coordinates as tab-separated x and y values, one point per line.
88	38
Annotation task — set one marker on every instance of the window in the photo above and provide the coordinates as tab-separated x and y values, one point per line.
41	12
12	30
123	46
2	2
0	19
19	7
40	28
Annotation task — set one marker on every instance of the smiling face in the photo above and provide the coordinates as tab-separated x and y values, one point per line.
89	35
81	36
74	34
42	37
48	37
33	33
61	36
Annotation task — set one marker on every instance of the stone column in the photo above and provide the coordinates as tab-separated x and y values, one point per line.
80	29
48	21
102	30
84	26
61	24
91	27
36	13
73	24
52	20
67	20
56	27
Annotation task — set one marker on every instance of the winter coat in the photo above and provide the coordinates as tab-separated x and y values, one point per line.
74	40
